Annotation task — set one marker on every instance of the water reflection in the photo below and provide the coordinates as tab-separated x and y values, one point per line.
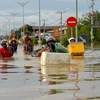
24	79
6	59
77	59
54	73
75	93
64	74
4	68
92	98
75	70
94	69
27	69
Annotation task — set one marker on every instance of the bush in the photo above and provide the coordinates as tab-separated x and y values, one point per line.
35	41
64	42
57	40
32	38
43	41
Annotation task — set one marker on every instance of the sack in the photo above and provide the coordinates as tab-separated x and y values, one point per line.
60	48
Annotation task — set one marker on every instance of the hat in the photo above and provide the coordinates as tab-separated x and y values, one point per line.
72	38
3	42
50	39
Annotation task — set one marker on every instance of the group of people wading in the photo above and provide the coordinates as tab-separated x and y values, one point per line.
8	49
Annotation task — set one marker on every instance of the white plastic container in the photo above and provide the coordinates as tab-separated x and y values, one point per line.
50	58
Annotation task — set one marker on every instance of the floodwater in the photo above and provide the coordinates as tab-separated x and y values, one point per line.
23	78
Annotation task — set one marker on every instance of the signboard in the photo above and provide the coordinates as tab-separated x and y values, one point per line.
71	22
56	33
83	38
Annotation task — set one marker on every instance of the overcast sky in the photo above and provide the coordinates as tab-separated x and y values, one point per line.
49	10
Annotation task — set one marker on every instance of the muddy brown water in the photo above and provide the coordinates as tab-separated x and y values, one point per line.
23	78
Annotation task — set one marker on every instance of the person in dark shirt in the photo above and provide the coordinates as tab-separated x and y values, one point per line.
29	47
14	44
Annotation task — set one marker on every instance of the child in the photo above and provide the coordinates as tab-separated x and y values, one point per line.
29	47
14	44
26	37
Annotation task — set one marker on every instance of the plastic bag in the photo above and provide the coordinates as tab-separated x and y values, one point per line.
60	48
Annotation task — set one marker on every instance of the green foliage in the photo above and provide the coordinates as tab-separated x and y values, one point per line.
68	35
43	41
64	42
32	38
57	40
22	40
30	28
85	30
84	26
97	35
35	41
18	35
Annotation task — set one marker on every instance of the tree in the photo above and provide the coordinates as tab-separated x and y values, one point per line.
84	26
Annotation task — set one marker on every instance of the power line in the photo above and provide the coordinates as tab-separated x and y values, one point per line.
88	4
50	16
54	22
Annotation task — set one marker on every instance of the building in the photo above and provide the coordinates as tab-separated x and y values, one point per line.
50	29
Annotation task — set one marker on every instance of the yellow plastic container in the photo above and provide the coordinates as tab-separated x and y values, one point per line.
76	49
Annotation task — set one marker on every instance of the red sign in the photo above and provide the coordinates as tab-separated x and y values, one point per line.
71	22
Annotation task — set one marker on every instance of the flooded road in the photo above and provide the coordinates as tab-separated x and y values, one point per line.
23	78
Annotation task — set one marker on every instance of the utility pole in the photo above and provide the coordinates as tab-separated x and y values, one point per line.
23	5
77	20
9	19
91	33
44	25
39	22
33	28
60	23
5	24
13	14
